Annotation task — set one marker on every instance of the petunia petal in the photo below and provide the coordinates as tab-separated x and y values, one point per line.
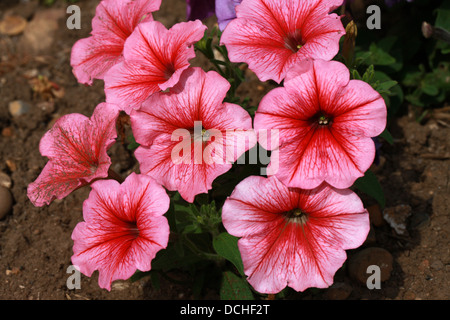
118	18
77	150
91	58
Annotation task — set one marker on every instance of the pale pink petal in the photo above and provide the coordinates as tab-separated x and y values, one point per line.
322	80
91	58
289	13
128	84
292	112
190	178
202	101
361	109
118	18
181	107
265	54
54	182
77	150
324	43
321	154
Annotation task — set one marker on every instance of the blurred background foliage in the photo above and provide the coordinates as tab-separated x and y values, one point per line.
411	64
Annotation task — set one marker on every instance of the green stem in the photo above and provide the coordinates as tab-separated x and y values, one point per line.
196	250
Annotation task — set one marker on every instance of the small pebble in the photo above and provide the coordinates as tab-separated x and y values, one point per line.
120	285
11	165
6	202
360	261
339	291
13	271
7	132
5	180
397	216
47	106
18	108
12	25
409	295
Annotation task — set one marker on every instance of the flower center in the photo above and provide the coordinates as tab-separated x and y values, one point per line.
296	216
293	41
169	70
134	230
205	135
93	168
200	134
324	120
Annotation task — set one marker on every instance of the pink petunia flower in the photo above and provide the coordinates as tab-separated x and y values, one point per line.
123	228
154	60
325	123
113	23
76	147
272	35
293	237
188	136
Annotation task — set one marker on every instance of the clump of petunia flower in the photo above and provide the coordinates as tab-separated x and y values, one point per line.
294	225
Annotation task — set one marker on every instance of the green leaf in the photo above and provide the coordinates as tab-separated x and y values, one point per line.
412	78
156	283
370	185
386	135
197	286
169	259
235	288
133	145
363	57
379	56
356	75
226	246
443	17
139	275
430	89
384	87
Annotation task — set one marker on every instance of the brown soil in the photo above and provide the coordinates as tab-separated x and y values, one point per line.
36	245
